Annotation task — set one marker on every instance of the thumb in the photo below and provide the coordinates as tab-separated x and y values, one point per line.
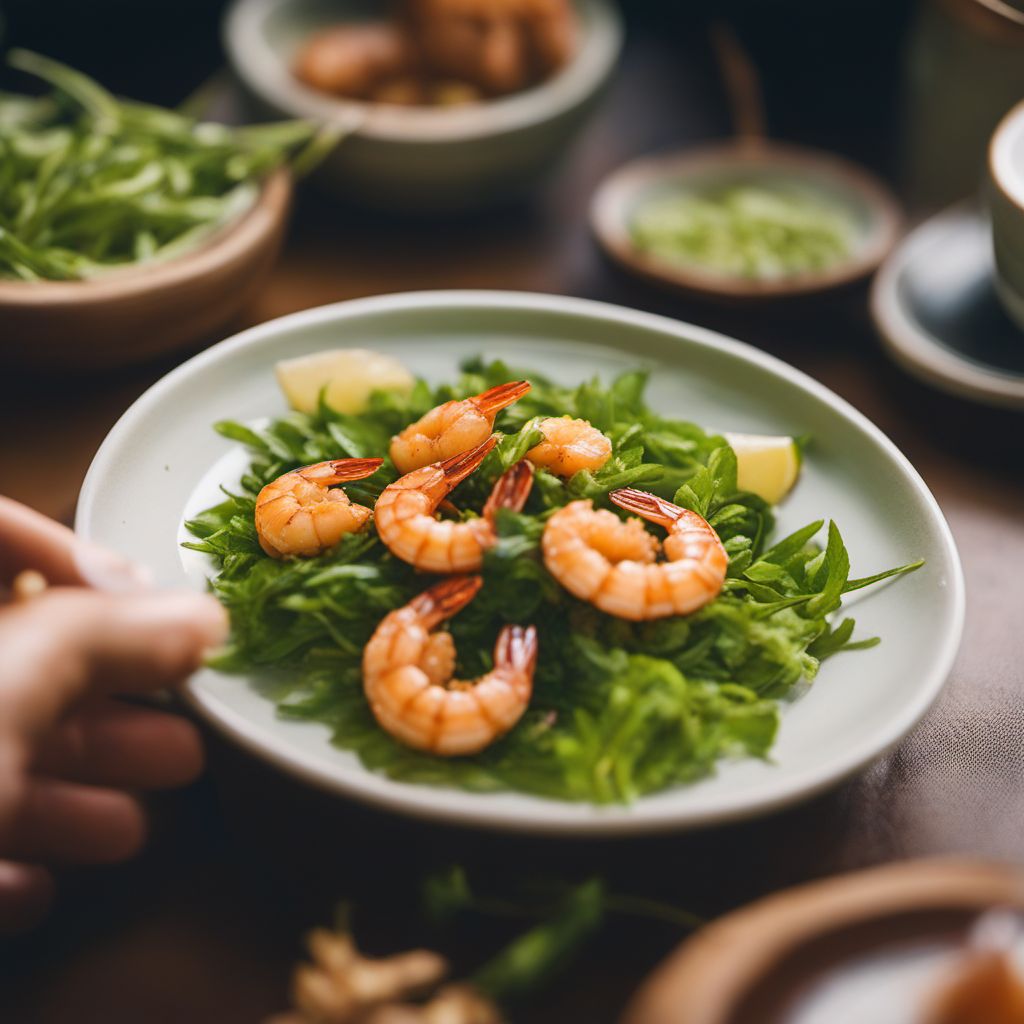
29	540
71	644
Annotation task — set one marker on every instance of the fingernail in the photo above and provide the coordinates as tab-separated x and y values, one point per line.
104	570
206	612
216	623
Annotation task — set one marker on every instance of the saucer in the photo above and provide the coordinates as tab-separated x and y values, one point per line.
935	305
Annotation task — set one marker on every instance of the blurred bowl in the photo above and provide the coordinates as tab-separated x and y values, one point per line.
875	214
422	159
1006	202
779	959
132	315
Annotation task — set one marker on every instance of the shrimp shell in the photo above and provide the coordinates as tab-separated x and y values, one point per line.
612	564
569	446
407	524
303	513
428	710
453	427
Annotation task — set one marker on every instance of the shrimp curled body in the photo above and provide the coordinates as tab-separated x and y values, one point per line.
569	446
304	513
407	524
453	427
613	564
408	668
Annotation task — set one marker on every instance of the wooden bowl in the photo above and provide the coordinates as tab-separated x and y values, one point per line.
750	966
875	213
136	314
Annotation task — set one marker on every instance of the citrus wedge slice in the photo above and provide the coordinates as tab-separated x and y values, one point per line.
349	376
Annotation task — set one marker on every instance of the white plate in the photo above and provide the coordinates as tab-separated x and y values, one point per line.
149	474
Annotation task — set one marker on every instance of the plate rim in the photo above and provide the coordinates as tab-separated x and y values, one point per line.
612	821
915	349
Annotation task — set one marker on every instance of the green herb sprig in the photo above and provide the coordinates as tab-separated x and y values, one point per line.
566	917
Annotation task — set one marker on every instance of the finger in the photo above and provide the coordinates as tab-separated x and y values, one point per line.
29	540
123	746
26	892
63	822
70	644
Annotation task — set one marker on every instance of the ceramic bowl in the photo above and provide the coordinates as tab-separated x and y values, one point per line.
134	315
414	158
1006	201
853	948
875	214
937	310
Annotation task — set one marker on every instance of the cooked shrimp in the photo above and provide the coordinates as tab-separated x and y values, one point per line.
304	513
406	520
500	45
453	427
407	676
569	446
613	564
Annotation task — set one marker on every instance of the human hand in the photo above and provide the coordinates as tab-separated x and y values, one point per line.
71	755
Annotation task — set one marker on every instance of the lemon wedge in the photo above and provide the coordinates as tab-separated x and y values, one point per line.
766	465
349	375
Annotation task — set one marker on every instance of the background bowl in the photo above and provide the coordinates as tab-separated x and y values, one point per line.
1006	201
875	213
137	314
415	158
759	963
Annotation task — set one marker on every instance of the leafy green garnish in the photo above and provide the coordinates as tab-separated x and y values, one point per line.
619	708
567	915
90	183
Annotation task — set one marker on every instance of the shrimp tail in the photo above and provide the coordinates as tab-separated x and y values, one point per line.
511	490
338	471
354	469
493	400
647	506
516	649
458	467
445	599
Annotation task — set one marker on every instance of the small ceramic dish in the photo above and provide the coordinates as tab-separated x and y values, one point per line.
935	306
873	211
871	946
131	315
1006	202
421	158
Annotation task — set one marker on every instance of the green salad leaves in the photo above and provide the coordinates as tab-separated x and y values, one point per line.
619	708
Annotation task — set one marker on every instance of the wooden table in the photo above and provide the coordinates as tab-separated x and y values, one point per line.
205	925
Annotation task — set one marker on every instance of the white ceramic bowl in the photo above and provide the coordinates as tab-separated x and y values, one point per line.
413	158
1006	200
162	463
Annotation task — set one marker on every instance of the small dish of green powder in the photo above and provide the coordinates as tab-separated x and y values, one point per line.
746	220
746	230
